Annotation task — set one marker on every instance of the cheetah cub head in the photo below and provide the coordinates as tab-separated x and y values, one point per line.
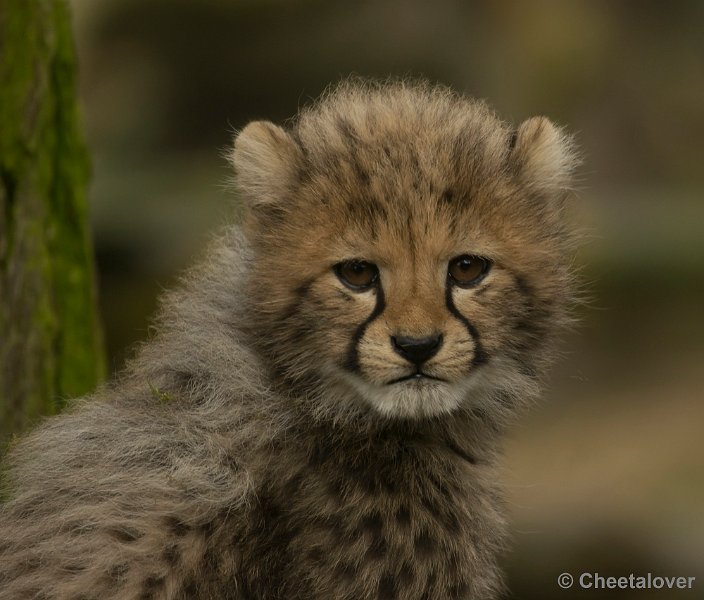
410	250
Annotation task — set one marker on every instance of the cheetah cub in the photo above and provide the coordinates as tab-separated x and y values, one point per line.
317	415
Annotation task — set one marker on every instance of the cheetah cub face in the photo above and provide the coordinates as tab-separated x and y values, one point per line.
410	250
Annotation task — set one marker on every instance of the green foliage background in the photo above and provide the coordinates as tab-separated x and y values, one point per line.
51	343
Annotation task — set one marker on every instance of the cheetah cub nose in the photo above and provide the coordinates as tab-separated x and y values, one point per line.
417	350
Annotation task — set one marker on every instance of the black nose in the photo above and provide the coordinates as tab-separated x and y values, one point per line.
417	350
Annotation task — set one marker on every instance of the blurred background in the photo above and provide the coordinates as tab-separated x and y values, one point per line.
607	474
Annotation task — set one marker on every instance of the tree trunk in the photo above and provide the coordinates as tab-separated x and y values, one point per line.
50	340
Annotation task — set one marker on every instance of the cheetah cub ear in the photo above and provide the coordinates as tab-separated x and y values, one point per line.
266	161
543	155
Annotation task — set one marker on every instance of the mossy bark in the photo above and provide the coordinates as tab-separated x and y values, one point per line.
50	340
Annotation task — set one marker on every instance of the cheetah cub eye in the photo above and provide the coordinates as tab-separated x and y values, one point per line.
358	275
467	271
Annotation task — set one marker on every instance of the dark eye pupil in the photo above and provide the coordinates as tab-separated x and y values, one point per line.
468	270
358	275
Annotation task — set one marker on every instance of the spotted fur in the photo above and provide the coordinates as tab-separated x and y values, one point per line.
257	447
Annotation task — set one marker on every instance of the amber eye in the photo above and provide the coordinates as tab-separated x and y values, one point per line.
467	270
358	275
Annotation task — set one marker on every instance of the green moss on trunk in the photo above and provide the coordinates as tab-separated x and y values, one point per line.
50	340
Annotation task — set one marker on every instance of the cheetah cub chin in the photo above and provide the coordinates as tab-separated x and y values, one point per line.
317	416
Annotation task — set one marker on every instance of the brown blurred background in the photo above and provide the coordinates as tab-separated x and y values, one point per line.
607	474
